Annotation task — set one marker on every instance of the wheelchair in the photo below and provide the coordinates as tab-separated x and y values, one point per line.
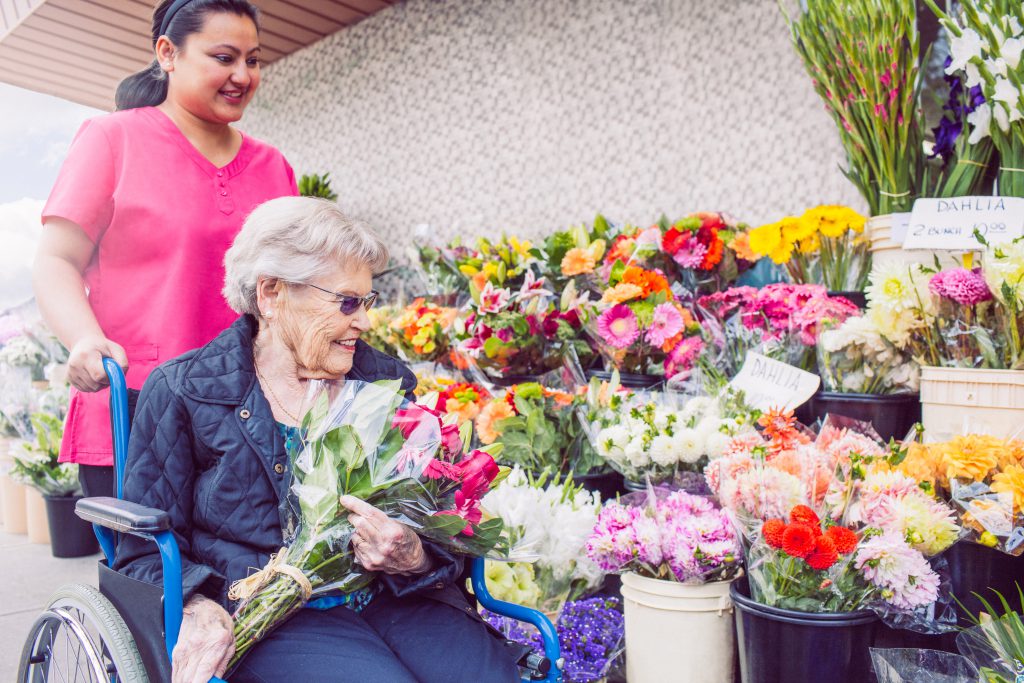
125	631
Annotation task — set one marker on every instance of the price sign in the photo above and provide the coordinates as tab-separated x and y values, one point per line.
767	383
949	224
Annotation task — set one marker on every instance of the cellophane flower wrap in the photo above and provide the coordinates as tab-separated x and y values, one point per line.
420	331
639	326
856	358
668	535
824	531
1003	269
982	477
364	440
547	520
655	436
825	245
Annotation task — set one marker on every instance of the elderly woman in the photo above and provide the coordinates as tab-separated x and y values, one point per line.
208	446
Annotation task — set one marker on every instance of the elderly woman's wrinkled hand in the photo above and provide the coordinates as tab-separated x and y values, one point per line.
382	544
206	642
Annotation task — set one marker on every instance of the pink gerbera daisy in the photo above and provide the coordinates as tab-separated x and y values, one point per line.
618	326
691	253
666	323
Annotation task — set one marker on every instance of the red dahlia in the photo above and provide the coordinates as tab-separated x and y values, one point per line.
798	540
772	531
824	554
845	540
801	514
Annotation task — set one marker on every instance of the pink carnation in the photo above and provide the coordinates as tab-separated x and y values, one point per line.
966	287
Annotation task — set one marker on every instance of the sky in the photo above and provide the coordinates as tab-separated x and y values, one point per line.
35	132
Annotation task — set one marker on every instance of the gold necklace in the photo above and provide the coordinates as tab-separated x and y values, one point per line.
269	388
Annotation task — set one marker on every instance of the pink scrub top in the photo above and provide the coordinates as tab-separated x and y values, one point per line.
162	217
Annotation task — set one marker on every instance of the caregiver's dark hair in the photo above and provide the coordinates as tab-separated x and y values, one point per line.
148	87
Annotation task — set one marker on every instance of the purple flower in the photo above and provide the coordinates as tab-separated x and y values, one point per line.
965	287
959	105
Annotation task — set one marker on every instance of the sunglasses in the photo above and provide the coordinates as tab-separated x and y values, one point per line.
347	303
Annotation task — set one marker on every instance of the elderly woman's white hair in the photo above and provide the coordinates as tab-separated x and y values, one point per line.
295	239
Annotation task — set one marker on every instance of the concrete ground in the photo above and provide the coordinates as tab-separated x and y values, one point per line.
28	575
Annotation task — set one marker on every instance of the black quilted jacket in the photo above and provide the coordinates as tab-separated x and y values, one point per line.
205	447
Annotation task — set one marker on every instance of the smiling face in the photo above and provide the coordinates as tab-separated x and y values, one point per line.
214	75
321	338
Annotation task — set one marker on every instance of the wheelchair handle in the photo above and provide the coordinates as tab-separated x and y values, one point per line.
118	419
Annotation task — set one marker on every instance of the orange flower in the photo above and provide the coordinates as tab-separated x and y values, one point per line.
1011	454
486	421
780	428
562	398
621	249
465	411
824	554
480	280
971	457
648	280
714	256
845	540
1011	481
798	540
801	514
741	245
578	262
772	531
621	292
924	464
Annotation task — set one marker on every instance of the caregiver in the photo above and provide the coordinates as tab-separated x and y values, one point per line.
130	263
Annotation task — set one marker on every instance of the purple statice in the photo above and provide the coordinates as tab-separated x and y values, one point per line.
590	634
965	287
959	105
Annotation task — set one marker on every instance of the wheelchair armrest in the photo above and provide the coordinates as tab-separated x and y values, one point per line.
123	516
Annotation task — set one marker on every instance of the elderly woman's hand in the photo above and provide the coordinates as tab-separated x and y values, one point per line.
382	544
206	642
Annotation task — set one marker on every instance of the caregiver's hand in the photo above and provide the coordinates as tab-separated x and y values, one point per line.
383	545
206	642
85	362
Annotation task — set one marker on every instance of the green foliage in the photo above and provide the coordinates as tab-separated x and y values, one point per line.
316	185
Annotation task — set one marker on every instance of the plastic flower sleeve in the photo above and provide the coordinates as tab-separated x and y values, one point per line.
996	647
904	665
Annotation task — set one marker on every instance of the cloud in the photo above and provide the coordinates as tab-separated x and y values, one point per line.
19	236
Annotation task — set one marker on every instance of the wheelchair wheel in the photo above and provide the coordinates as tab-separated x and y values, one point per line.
81	638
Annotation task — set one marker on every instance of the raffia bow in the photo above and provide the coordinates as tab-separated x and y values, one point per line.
243	589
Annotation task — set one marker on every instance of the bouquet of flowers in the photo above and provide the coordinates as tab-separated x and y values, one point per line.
576	252
439	269
504	263
901	308
638	325
1003	269
825	246
863	61
536	426
856	358
464	400
510	334
364	440
548	519
673	536
36	465
982	477
986	43
379	335
709	251
591	633
420	331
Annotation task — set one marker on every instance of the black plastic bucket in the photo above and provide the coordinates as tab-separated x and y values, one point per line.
70	536
975	568
629	380
785	646
892	415
608	484
859	299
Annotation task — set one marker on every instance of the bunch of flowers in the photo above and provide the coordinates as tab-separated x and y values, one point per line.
36	463
901	308
863	61
709	250
638	325
576	252
504	262
536	426
856	358
986	43
464	400
420	331
379	334
524	332
439	266
1003	268
674	536
825	246
647	437
966	325
982	477
548	520
591	633
634	245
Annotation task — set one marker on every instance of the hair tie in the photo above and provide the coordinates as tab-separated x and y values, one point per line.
177	5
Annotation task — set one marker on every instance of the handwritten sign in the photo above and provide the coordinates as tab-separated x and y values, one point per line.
949	224
767	383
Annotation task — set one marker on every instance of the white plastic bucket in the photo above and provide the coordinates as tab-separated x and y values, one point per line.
14	505
887	247
955	401
35	517
677	633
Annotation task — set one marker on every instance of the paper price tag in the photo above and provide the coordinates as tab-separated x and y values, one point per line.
767	383
949	224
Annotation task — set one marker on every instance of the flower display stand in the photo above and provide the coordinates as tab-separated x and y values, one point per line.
957	401
35	517
677	633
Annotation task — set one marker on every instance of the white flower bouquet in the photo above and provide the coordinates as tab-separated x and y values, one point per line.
856	358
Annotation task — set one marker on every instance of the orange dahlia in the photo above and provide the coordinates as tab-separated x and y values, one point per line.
772	530
801	514
845	540
798	540
824	554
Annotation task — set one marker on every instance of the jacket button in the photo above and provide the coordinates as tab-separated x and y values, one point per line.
438	585
279	468
244	414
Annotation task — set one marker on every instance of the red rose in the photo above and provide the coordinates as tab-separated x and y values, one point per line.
824	554
798	540
772	531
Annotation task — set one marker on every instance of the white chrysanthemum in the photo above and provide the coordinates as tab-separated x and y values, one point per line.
689	445
663	450
636	453
697	406
716	444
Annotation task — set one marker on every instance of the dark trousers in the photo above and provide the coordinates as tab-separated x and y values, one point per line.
96	480
394	640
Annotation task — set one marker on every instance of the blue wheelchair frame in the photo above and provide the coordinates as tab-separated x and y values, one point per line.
107	527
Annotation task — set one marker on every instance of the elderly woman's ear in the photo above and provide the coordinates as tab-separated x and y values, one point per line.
270	292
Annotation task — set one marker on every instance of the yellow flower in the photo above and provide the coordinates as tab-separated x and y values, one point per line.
522	248
1011	480
811	244
833	221
1011	454
924	464
971	457
765	239
486	421
624	291
795	229
782	253
578	262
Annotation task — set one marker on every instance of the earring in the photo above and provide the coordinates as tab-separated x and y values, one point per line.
268	314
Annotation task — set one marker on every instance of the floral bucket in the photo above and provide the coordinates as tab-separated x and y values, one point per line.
887	233
956	401
13	495
677	633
